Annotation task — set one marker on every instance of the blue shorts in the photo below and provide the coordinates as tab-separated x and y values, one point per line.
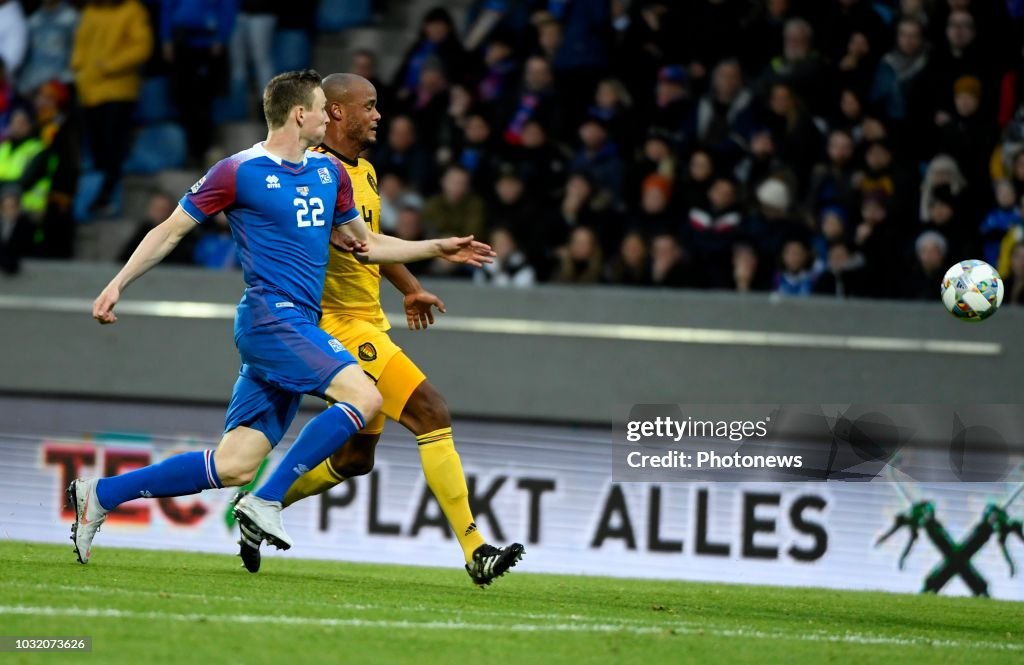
284	356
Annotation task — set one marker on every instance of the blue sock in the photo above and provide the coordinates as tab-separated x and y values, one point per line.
187	473
319	439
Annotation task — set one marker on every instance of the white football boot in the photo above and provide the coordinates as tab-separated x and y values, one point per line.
262	519
89	516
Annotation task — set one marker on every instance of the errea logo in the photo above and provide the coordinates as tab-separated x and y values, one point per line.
195	188
273	182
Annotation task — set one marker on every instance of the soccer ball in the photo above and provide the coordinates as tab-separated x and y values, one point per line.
972	290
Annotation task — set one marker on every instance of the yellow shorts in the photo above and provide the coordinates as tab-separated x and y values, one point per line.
394	373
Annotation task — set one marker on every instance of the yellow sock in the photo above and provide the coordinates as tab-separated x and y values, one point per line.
311	483
443	471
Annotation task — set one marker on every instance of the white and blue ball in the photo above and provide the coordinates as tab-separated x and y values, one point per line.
972	290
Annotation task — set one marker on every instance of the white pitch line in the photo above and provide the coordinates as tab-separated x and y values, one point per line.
334	605
578	627
504	326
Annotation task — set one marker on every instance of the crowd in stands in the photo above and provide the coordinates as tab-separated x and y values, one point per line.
841	147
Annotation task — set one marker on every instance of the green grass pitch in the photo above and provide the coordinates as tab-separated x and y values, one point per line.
170	607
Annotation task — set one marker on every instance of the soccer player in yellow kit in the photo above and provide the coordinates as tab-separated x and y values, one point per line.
352	314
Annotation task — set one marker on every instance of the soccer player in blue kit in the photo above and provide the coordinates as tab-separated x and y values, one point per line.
284	206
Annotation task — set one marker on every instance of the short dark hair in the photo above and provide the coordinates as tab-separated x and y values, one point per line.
285	92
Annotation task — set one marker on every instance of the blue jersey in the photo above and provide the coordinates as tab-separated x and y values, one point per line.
281	216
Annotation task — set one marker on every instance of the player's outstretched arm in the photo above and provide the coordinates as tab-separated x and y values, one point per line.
372	247
419	303
157	244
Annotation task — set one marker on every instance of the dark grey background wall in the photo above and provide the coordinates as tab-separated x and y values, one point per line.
553	353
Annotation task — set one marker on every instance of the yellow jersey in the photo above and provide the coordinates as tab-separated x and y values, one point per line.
352	288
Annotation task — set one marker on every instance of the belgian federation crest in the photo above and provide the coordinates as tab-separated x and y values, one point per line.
372	182
367	352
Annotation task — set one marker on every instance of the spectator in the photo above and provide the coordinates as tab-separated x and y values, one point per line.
582	206
772	224
581	260
549	38
410	227
391	188
1016	174
832	182
13	35
847	17
795	276
857	69
15	232
599	158
500	70
438	41
252	44
897	87
364	63
612	106
959	56
845	276
700	173
1014	280
402	155
724	113
850	114
476	152
430	103
631	267
456	210
112	44
669	262
712	231
747	275
17	154
672	104
651	40
878	239
965	135
799	66
833	227
942	171
56	171
544	166
654	156
762	32
510	267
7	96
195	34
584	53
51	38
999	221
930	249
158	209
653	217
535	99
760	165
944	218
797	140
528	220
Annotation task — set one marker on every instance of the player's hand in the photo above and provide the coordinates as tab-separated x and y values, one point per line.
419	309
466	250
347	243
103	306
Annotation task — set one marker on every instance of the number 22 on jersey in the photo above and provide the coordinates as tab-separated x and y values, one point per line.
309	213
